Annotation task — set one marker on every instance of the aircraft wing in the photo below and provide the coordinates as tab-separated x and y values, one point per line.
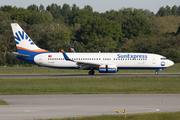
82	65
16	54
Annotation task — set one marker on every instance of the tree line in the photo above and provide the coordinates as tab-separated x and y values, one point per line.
62	27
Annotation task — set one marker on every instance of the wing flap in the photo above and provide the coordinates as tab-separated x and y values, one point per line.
84	65
80	63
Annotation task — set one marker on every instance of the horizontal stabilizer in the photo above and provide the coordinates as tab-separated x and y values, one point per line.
16	54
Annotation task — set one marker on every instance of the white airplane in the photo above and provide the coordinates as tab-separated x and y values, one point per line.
103	62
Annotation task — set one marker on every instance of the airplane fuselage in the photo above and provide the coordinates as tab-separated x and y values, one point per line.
120	60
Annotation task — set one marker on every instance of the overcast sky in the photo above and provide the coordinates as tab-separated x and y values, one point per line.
98	5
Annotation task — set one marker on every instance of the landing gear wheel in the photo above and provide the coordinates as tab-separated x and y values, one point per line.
156	73
91	72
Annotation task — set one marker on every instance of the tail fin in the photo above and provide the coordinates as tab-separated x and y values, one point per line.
24	43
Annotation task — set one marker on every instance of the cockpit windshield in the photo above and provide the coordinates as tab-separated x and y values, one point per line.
163	58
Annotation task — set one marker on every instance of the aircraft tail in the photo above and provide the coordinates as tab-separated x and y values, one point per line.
24	43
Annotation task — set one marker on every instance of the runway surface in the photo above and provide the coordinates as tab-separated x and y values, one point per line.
29	107
86	75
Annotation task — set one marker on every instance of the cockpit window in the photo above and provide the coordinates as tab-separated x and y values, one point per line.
163	58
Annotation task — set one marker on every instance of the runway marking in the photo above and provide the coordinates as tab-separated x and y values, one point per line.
27	111
30	110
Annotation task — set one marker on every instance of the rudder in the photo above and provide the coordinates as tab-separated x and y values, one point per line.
24	43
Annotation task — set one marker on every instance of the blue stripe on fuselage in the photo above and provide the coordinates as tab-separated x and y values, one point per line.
138	68
30	59
147	68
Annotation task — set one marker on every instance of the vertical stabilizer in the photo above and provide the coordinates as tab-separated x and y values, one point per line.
24	43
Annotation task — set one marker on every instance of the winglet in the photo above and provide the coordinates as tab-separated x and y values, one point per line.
65	56
72	50
62	50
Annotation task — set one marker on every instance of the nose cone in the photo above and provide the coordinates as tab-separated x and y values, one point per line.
170	63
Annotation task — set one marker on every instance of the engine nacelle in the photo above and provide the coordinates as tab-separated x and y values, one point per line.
107	69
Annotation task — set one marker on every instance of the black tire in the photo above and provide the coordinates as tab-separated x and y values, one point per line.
91	72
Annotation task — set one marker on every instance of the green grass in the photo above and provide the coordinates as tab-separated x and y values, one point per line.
142	116
99	85
2	102
43	70
37	70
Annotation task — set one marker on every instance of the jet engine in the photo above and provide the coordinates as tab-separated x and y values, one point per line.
107	69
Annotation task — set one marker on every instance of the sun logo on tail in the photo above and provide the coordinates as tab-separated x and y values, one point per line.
20	36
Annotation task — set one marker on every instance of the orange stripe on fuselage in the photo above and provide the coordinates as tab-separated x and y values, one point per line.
38	50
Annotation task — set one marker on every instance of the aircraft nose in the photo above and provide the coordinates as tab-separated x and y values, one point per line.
170	63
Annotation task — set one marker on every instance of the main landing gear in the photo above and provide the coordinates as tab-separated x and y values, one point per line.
91	72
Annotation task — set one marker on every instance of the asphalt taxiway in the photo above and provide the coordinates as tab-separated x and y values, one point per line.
30	107
86	75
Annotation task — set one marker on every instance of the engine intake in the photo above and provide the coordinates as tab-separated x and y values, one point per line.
107	69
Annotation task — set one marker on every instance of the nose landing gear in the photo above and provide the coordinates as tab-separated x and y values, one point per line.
160	69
